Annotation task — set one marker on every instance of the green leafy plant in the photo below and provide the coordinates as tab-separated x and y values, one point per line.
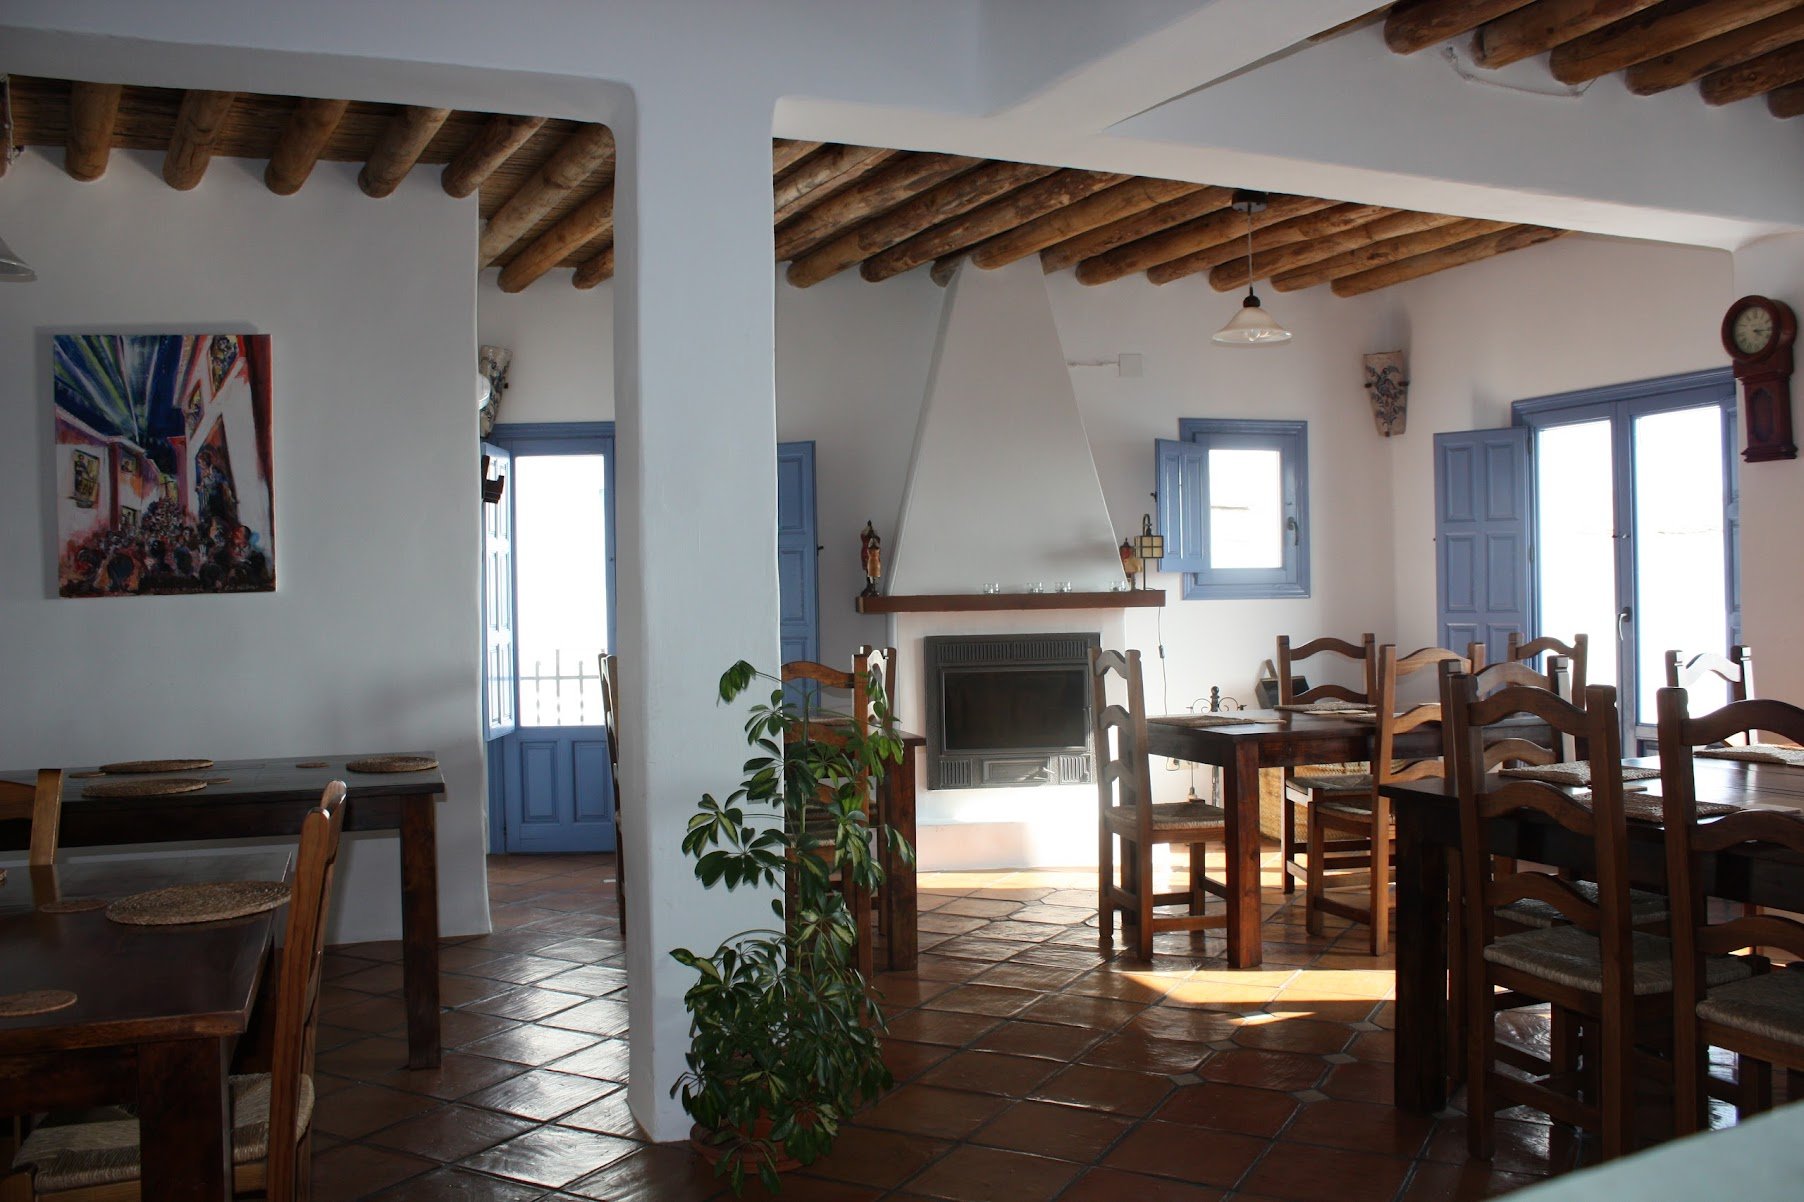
784	1029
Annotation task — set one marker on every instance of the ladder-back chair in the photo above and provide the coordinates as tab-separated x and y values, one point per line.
1363	658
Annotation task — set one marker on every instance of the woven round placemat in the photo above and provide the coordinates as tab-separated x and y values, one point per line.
34	1001
1576	772
73	905
200	901
136	767
392	763
90	774
314	764
159	787
1204	721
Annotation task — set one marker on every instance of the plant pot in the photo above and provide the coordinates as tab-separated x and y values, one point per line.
715	1146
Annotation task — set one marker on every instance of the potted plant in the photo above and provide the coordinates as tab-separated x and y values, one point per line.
784	1029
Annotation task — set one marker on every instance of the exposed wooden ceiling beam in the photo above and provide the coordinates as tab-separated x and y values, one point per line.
1135	226
1299	254
786	152
593	216
198	124
1048	195
820	175
960	194
875	194
504	134
1515	238
944	269
93	107
300	144
1229	257
1390	250
1763	74
1787	101
1713	54
399	147
1539	27
1662	29
595	270
588	150
1414	25
1224	227
1104	208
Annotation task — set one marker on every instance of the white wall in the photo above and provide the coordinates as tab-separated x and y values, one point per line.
563	343
370	641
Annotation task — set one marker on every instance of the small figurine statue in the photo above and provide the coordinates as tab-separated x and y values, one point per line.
1130	560
870	553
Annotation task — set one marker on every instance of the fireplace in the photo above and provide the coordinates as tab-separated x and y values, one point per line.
1008	710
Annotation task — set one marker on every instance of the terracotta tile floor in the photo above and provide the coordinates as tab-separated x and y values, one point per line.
1027	1068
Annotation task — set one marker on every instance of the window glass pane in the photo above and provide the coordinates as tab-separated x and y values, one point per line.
1246	505
1679	547
1574	501
560	566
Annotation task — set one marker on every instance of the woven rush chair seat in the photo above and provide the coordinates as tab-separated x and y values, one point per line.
1644	908
1172	816
1571	957
1330	784
82	1155
1770	1005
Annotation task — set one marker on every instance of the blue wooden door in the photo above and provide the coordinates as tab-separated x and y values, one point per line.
497	633
797	559
1482	552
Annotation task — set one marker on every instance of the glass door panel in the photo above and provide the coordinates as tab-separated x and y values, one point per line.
1576	516
561	566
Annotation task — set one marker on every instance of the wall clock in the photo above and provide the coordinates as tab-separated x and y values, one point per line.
1758	334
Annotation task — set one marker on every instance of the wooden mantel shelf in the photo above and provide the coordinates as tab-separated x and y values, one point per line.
946	603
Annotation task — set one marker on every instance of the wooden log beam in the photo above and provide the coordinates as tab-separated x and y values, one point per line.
944	201
1054	192
1105	238
786	152
1691	63
1301	252
822	174
1772	70
198	124
877	193
593	216
1226	228
1390	250
1787	101
504	134
1229	257
93	107
1515	238
589	149
398	148
1414	25
1539	27
944	269
1652	32
593	272
1104	208
300	144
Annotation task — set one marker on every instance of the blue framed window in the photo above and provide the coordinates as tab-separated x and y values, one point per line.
1233	499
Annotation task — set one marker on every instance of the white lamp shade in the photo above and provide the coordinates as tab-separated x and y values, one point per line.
13	269
1251	325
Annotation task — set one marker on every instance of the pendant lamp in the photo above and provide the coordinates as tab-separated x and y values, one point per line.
1252	325
13	269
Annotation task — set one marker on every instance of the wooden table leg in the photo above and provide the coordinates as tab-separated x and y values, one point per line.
900	915
1422	885
185	1113
419	928
1240	793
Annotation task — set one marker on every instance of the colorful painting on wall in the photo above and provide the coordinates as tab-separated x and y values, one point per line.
163	458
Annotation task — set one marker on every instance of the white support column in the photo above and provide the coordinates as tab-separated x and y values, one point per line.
697	568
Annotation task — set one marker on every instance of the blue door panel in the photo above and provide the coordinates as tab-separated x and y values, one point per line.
1481	490
798	565
539	801
1458	556
1456	482
594	790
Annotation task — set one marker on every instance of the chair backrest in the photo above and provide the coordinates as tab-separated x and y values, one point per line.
1484	799
610	710
1425	717
42	804
297	997
1737	670
1364	654
1519	750
1575	654
1118	735
853	687
1688	841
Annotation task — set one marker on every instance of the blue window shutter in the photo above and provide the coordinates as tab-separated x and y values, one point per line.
797	562
1183	507
1481	537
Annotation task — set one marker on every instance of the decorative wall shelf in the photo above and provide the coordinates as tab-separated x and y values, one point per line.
945	603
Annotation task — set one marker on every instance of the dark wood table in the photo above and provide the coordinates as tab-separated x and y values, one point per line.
267	799
158	1009
1427	819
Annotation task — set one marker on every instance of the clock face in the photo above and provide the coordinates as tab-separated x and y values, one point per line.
1753	330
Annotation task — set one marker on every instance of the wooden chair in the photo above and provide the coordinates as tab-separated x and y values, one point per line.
610	718
1350	819
1760	1018
98	1162
1297	798
1595	966
42	805
1126	812
1737	672
1575	654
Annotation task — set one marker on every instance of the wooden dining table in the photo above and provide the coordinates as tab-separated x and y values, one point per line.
1427	823
158	1009
268	798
